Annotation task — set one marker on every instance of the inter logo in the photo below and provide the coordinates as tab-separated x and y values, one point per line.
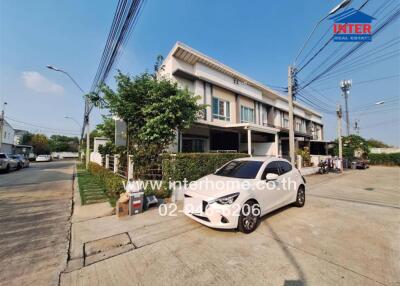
352	26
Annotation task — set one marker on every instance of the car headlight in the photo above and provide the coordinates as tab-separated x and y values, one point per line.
226	200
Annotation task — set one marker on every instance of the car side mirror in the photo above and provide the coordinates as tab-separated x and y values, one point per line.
271	177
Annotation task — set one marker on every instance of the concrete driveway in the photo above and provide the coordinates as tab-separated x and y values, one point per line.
35	210
347	234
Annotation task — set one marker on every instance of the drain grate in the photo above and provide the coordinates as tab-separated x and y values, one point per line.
104	248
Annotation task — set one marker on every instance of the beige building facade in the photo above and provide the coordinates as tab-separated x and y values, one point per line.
242	115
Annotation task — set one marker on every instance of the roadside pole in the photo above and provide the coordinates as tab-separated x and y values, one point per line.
291	120
2	125
345	85
87	141
339	130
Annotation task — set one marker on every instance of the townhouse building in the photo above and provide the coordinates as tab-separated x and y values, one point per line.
242	115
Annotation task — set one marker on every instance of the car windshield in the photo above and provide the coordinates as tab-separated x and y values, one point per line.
3	156
240	169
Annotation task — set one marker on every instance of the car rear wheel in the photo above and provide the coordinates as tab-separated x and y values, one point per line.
249	217
301	197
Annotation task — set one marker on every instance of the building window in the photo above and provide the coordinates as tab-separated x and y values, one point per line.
246	114
193	145
220	109
285	120
264	112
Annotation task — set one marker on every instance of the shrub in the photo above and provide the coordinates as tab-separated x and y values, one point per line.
192	166
385	159
112	182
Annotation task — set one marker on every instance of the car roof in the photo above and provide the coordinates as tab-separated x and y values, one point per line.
261	158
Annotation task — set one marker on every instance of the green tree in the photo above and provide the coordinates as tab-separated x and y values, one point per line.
153	109
60	143
352	145
27	139
107	128
373	143
40	144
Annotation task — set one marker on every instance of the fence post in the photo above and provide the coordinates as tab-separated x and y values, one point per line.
130	167
116	163
107	166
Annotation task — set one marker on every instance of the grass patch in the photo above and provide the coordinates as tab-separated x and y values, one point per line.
91	189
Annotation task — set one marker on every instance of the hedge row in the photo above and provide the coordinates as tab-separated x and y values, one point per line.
112	182
385	159
192	166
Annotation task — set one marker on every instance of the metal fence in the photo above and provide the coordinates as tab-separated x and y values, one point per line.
111	163
122	168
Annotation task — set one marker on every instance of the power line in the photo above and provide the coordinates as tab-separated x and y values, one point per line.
365	81
42	127
381	123
366	112
360	66
361	58
376	12
374	104
389	20
309	101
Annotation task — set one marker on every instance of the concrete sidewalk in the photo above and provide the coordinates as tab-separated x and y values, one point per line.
346	234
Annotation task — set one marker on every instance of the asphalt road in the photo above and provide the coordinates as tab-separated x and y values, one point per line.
35	210
346	234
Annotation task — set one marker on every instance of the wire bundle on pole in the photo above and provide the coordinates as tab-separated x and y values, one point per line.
125	18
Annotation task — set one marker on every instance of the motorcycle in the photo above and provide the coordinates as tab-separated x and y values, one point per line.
323	167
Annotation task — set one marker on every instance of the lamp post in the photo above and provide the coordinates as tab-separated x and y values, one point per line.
292	80
86	115
357	121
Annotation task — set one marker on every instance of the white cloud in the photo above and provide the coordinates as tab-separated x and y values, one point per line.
36	82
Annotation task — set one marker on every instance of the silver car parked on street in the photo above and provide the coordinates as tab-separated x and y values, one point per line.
7	163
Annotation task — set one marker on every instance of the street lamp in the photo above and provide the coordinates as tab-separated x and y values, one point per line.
73	119
292	79
357	121
50	67
86	115
343	4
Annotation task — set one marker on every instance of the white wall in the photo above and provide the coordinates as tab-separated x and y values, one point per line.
260	149
95	157
99	141
384	150
8	133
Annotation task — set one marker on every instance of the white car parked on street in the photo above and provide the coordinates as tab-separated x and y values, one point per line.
239	193
43	158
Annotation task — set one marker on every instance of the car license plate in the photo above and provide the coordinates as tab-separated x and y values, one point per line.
192	206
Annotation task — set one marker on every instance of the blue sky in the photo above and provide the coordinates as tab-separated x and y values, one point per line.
259	40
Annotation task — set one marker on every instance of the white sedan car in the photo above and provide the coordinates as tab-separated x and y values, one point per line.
242	191
43	158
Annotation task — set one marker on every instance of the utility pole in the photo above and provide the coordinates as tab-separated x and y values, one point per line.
87	157
291	90
345	86
2	124
339	131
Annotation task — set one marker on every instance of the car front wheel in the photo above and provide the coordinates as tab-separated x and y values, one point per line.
301	197
249	217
